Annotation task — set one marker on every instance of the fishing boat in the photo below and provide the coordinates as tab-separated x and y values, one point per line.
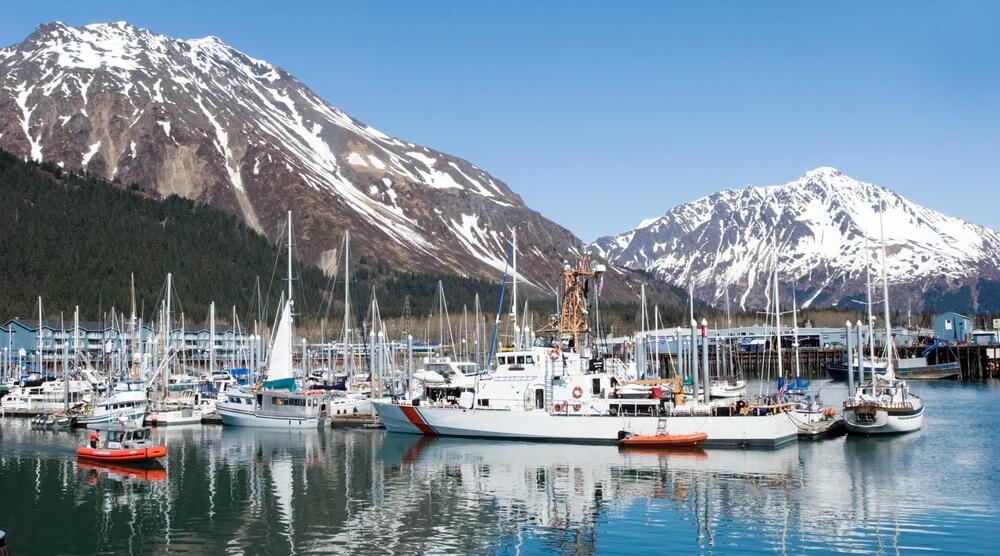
350	403
912	368
559	389
51	395
186	411
884	404
121	443
127	403
278	401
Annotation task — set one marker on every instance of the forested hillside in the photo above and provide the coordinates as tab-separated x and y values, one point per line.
75	240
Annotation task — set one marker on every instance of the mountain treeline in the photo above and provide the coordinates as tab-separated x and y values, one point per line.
75	240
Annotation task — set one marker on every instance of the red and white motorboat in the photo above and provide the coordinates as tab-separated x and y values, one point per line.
121	443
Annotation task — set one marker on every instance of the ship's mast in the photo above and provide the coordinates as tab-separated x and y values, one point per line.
573	321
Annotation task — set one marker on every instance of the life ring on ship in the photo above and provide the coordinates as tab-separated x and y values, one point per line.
576	407
577	392
557	406
555	353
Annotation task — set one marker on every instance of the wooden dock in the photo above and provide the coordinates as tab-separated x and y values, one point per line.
977	362
355	422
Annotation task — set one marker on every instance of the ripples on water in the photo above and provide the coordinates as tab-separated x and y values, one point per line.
267	492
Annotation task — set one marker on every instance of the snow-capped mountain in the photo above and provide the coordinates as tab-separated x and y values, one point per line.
202	120
820	224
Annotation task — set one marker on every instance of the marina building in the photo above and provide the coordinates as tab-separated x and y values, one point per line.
20	340
952	327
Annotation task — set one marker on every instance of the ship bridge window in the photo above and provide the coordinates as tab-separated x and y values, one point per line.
520	360
483	402
529	359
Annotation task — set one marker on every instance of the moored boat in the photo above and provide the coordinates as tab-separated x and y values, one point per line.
560	390
279	401
884	404
663	440
913	368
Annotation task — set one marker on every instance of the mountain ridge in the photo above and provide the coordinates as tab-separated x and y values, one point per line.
200	119
721	243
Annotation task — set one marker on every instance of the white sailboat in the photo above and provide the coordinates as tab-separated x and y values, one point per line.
277	402
884	404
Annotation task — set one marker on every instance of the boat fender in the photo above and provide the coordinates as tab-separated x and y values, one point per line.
577	392
557	406
576	407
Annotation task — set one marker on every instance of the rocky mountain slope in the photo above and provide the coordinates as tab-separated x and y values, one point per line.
199	119
821	223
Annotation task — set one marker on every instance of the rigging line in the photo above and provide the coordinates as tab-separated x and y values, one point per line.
331	286
274	269
496	324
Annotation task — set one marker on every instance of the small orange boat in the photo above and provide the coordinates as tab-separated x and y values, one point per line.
663	440
121	443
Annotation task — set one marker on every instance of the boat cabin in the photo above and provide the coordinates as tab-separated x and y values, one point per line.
118	437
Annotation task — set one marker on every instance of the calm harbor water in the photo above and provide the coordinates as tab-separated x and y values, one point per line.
238	491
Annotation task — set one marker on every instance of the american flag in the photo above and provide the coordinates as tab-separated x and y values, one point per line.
783	391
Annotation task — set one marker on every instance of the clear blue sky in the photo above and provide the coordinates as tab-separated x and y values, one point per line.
602	114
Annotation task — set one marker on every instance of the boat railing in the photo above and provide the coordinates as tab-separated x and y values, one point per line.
855	403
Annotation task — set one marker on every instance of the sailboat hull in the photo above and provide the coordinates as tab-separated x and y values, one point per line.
879	420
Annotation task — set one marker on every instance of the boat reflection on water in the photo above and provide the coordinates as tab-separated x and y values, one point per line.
255	491
566	491
120	471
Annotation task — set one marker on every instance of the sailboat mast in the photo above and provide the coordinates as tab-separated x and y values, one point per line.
166	334
211	338
348	357
65	365
729	336
40	360
795	335
441	316
133	330
777	308
291	305
871	317
513	295
289	256
885	304
479	358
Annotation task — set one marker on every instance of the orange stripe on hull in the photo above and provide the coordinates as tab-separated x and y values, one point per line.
414	417
135	454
